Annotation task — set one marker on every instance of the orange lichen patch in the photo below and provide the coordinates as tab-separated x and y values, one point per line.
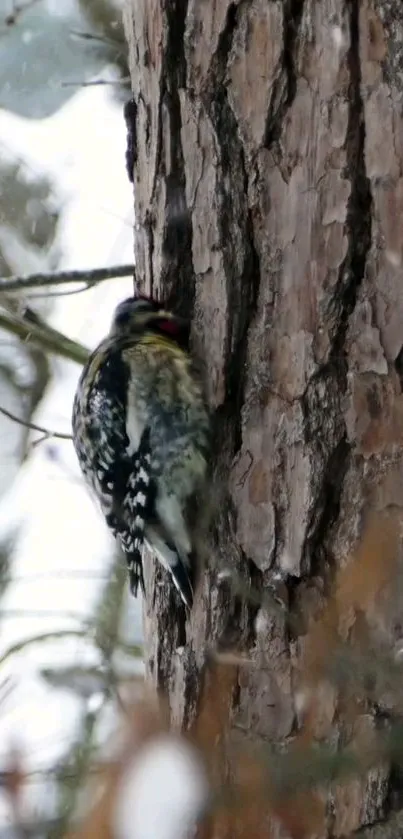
356	587
213	720
242	808
247	808
362	580
302	814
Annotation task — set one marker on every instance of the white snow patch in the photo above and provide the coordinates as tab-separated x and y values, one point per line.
162	794
62	553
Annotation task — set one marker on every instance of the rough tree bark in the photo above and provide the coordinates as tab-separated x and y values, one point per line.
278	125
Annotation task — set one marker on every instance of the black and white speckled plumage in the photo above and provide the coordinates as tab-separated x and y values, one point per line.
141	433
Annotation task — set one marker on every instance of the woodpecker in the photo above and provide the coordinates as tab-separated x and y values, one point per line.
141	431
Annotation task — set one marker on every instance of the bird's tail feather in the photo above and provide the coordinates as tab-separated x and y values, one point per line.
182	581
136	577
181	571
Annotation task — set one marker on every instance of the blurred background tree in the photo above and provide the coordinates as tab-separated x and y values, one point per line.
69	632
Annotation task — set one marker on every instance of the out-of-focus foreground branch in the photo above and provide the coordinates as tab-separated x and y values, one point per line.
41	335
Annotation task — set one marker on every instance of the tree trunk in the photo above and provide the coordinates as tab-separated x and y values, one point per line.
268	189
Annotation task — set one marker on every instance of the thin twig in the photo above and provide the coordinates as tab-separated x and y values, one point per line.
89	36
89	277
42	636
15	614
97	82
87	631
41	295
46	431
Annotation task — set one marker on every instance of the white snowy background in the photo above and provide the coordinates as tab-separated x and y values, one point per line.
62	554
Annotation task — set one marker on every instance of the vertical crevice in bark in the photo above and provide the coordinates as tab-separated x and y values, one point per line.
327	508
233	205
242	277
149	232
243	281
285	85
327	437
394	800
359	218
257	583
399	367
177	276
251	278
171	634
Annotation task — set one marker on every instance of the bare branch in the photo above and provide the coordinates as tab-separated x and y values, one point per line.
40	295
15	614
97	82
89	277
46	431
87	631
42	636
44	336
102	39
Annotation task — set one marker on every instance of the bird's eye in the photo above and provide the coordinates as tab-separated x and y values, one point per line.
122	318
124	313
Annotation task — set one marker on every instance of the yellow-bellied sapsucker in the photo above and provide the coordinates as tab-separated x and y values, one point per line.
141	431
